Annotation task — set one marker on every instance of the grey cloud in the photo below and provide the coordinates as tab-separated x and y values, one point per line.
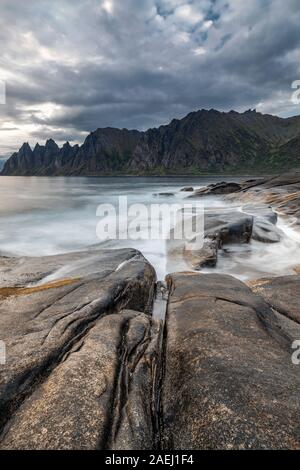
73	66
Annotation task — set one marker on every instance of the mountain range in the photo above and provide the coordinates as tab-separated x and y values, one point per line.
2	163
205	141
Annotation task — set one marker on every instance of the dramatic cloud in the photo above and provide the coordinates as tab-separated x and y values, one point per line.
71	66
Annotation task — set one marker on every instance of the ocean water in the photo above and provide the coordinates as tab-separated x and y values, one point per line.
45	216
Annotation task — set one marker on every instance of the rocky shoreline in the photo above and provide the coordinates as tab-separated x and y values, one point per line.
90	367
260	200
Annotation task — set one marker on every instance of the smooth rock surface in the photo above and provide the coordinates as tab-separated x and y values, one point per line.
220	229
229	381
282	294
264	223
187	189
217	188
262	211
101	396
265	232
51	314
281	192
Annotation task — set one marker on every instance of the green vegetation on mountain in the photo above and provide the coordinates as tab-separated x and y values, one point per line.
203	142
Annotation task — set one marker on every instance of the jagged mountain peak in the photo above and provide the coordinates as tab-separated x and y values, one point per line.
202	141
25	146
50	143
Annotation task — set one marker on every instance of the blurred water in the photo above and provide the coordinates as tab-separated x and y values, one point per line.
44	216
256	260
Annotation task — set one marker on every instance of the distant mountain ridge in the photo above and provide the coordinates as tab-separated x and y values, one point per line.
202	142
2	162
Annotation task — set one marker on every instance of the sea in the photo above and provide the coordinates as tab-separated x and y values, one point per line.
51	215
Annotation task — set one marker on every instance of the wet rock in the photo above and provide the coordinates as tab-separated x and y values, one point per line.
101	396
265	232
207	256
187	189
262	211
217	188
162	290
89	368
229	227
284	180
281	192
264	223
136	422
163	194
282	294
59	319
220	229
228	357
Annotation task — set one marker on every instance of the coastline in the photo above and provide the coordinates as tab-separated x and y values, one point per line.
92	340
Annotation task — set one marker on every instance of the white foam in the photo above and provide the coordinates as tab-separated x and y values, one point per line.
45	216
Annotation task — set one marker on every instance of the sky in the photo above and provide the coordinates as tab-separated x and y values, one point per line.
70	66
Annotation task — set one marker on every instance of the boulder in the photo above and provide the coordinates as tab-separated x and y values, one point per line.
187	189
206	257
228	357
163	194
60	320
262	211
265	232
220	229
100	396
228	226
217	188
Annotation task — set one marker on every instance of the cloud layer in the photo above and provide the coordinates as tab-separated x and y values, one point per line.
71	66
